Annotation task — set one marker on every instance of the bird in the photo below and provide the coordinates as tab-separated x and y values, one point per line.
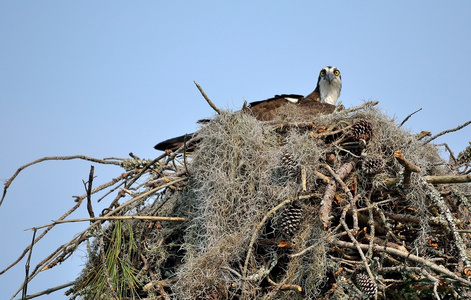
320	101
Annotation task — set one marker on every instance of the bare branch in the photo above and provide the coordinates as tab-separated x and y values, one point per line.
408	117
446	131
207	99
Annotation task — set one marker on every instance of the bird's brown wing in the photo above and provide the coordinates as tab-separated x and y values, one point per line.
176	142
266	110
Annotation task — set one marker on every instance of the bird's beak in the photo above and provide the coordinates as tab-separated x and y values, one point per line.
329	77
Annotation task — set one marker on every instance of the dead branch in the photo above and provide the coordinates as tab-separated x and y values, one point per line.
207	99
83	157
405	255
408	117
49	291
27	265
329	194
447	131
409	167
112	218
256	232
365	105
445	211
447	179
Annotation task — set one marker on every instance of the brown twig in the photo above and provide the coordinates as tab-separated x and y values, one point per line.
25	283
88	187
256	231
446	131
329	194
405	255
445	211
448	179
83	157
367	104
408	117
409	167
93	219
50	290
207	99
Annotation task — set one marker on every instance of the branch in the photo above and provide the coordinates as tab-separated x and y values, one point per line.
409	167
408	117
364	105
329	194
207	99
405	255
446	131
50	290
257	229
448	179
101	161
142	218
445	211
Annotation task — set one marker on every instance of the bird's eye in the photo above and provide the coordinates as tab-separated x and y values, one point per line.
336	72
322	73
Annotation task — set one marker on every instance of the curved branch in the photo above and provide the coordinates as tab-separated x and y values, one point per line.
83	157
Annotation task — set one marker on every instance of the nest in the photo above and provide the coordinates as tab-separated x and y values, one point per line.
342	205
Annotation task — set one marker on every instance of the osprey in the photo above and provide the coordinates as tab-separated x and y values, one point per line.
321	101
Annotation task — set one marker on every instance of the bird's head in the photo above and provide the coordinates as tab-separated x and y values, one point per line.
329	84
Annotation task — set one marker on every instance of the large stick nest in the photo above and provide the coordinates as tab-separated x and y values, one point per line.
331	207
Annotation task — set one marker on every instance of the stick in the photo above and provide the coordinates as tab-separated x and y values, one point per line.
257	229
446	131
409	167
408	117
89	192
448	179
405	255
50	290
329	194
92	219
101	161
445	211
25	283
364	105
207	99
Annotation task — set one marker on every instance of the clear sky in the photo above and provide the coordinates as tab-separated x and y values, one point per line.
105	78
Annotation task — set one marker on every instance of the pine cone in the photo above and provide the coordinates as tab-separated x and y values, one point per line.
372	165
289	165
362	130
290	219
465	155
366	285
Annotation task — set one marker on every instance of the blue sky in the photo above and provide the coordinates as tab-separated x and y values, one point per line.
105	78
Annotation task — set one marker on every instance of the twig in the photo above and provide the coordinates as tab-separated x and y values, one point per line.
405	255
343	171
356	243
207	99
329	194
255	233
101	161
25	283
367	104
448	179
446	131
408	117
409	167
424	272
50	290
445	211
88	187
142	218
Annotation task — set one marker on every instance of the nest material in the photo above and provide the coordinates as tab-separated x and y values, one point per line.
347	200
